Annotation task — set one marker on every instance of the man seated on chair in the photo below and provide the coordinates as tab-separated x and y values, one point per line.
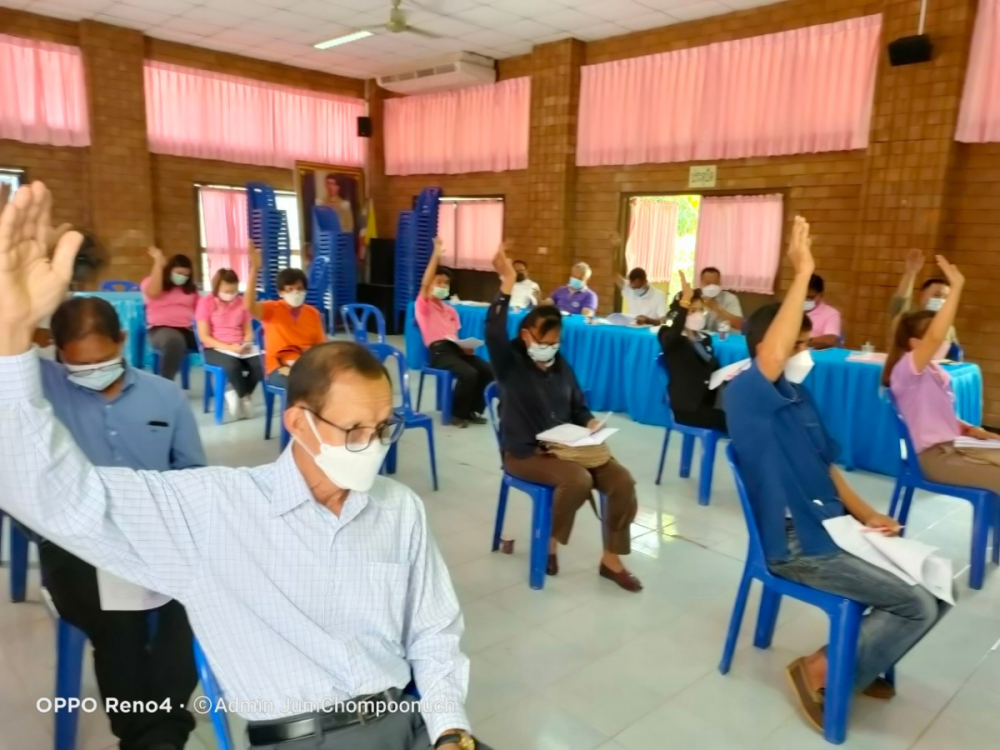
538	391
291	327
526	292
721	306
121	417
786	459
646	303
825	319
576	298
314	585
438	322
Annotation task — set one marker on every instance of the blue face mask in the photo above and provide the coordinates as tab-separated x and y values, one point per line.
179	279
96	377
575	284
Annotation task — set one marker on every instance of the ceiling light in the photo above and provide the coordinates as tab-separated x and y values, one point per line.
337	41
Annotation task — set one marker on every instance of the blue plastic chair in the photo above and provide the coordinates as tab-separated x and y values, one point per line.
214	693
444	391
709	441
215	382
956	353
541	497
18	559
985	504
185	367
270	391
119	285
411	417
845	621
356	318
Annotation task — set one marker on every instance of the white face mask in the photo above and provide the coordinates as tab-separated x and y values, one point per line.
798	367
934	304
809	305
543	353
294	299
96	377
711	291
695	321
348	470
227	296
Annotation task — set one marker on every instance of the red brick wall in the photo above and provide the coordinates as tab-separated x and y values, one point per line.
63	169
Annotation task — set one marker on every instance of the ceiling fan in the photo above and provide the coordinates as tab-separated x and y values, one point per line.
395	25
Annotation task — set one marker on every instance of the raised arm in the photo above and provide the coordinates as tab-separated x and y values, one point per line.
137	525
431	271
250	295
937	332
779	341
497	338
903	297
670	335
155	286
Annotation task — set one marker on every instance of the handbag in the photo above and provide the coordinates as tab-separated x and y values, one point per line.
588	456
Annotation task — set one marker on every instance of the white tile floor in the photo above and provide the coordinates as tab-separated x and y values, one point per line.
583	665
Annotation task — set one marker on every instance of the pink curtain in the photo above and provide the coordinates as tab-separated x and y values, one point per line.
208	115
651	235
43	98
979	118
225	215
476	129
478	232
447	222
802	91
741	236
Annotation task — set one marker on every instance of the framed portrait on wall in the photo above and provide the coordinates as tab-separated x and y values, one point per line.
340	188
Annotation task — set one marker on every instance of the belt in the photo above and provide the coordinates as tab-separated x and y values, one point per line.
320	722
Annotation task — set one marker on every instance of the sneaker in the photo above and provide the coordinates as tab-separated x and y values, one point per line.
476	419
232	403
246	408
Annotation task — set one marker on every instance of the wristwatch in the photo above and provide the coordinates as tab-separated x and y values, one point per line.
464	740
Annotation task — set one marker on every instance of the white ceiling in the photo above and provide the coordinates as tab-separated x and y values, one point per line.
285	30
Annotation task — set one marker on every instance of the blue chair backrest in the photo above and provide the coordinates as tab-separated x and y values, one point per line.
356	318
119	285
907	452
258	339
214	694
756	547
492	398
384	352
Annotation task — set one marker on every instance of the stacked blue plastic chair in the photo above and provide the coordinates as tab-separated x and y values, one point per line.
985	504
709	441
356	318
320	291
268	230
845	621
338	247
406	280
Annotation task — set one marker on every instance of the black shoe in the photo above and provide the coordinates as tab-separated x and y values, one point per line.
460	423
552	567
476	419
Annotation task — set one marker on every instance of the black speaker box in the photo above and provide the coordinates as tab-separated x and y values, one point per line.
910	50
382	261
364	127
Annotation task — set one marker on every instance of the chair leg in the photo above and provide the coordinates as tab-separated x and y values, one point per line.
663	455
389	465
894	505
541	533
707	469
220	391
996	531
767	618
842	657
735	622
285	437
69	671
268	412
982	518
445	396
501	512
904	513
18	563
687	453
186	373
430	448
207	395
420	390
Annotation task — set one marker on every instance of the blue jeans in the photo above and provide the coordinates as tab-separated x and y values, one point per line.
277	379
900	616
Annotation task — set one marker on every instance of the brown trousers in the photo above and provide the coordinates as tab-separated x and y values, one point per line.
942	463
574	485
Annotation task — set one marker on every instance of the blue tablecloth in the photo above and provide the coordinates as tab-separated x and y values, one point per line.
618	366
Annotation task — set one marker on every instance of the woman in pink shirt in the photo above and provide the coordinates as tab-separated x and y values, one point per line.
922	389
226	332
171	297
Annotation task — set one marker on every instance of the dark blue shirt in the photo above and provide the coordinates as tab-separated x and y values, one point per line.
147	426
785	456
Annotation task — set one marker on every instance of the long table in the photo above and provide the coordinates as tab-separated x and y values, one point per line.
618	366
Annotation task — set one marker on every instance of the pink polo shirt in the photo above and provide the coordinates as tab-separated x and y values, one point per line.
437	320
173	308
226	320
926	401
825	320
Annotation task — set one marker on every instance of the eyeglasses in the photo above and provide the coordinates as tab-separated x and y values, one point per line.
357	439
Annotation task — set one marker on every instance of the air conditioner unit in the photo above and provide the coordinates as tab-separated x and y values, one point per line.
441	74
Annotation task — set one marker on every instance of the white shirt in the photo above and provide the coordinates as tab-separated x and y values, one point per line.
652	304
525	294
289	601
728	302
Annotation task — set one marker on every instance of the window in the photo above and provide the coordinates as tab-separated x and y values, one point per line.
471	229
284	200
13	177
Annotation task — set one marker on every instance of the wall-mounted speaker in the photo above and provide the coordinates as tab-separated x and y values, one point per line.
910	50
364	127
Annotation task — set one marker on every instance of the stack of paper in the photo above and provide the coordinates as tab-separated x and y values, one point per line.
967	442
470	344
875	358
620	319
727	373
576	436
251	351
907	559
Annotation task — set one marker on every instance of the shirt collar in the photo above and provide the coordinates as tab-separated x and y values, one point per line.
290	489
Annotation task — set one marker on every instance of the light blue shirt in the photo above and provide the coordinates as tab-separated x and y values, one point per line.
148	425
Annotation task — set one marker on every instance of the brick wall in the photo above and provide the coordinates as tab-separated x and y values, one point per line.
64	170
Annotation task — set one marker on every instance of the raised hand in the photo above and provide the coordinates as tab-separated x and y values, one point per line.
687	293
955	278
914	261
800	248
157	255
438	247
501	263
31	284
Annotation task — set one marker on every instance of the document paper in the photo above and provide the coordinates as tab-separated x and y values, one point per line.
967	442
908	559
576	436
117	595
253	351
470	344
